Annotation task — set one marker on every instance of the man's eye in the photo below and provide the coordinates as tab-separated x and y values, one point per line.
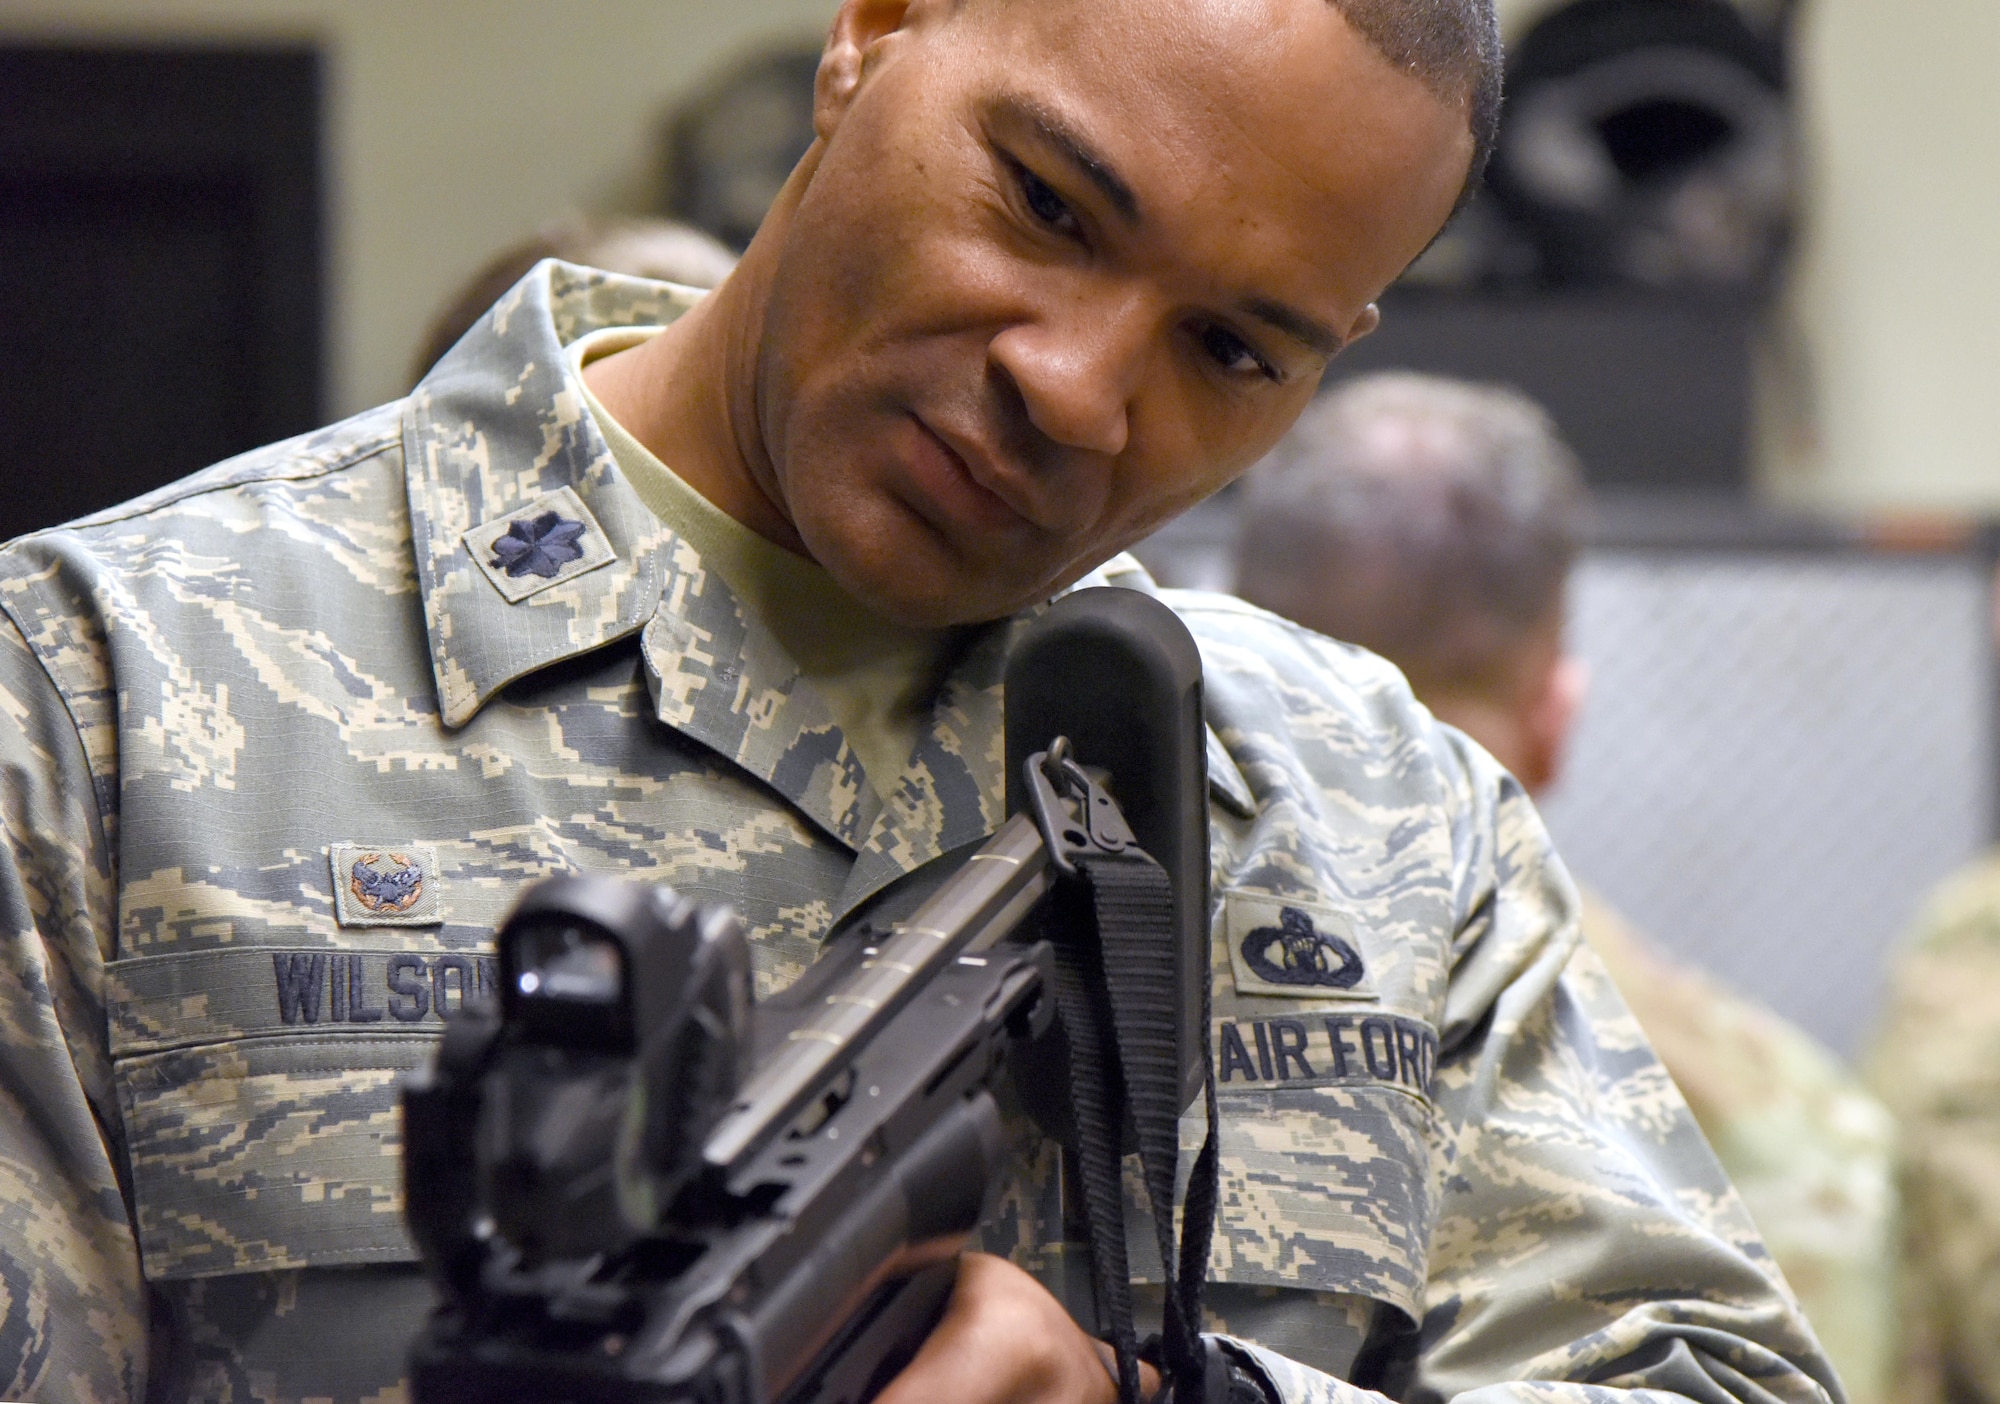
1043	202
1233	353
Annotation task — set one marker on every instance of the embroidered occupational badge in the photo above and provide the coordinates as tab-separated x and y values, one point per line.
386	882
549	541
385	885
1294	952
1290	949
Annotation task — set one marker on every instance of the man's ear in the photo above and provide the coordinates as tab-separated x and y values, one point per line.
857	28
1549	719
1370	318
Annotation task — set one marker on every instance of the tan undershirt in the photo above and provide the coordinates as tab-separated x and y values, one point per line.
875	676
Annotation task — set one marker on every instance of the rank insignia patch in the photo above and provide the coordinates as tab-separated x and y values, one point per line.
385	885
548	541
1278	948
538	545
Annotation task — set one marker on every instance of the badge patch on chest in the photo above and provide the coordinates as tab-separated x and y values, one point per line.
1282	948
386	885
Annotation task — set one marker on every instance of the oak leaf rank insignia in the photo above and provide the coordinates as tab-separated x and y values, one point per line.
540	544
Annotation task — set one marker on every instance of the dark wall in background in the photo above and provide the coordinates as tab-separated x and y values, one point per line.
160	282
1651	389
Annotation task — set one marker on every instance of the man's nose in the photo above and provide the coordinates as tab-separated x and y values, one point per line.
1077	370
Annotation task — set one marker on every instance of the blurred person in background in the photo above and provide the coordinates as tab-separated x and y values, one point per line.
731	146
1435	522
1936	1061
639	246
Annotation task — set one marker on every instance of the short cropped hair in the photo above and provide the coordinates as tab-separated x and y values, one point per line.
1452	47
1433	521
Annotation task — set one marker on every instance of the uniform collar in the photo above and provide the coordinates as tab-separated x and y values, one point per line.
496	440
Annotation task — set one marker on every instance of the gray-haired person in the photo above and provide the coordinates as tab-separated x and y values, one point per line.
1435	522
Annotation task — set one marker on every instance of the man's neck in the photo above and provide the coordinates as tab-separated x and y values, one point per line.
688	396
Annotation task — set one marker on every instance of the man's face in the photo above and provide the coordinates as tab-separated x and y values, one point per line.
1065	267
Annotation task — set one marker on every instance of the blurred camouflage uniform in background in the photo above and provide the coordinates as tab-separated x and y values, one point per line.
1812	1154
1436	522
283	742
1936	1062
639	246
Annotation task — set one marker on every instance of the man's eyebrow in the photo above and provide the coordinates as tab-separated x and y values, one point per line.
1053	130
1297	325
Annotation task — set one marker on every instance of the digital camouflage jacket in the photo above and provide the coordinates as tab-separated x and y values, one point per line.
1936	1062
282	742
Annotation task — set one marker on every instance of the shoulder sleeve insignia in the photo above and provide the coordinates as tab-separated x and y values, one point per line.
385	886
1326	1050
1281	948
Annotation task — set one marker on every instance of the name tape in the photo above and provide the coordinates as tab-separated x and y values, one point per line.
365	988
1325	1050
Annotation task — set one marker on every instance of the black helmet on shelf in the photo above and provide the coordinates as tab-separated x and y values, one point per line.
1647	143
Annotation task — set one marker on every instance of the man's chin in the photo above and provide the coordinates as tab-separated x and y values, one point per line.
894	601
915	580
917	599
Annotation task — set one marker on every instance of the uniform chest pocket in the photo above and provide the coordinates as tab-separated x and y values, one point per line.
258	1087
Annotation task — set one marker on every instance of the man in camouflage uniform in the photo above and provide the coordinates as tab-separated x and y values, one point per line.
284	741
1436	522
1936	1062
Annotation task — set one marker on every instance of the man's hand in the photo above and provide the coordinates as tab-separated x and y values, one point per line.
1005	1340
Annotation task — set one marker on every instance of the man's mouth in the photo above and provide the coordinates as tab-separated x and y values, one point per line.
960	487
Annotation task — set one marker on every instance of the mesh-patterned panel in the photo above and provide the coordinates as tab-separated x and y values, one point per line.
1780	754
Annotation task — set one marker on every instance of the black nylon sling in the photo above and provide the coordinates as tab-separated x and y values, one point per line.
1115	992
